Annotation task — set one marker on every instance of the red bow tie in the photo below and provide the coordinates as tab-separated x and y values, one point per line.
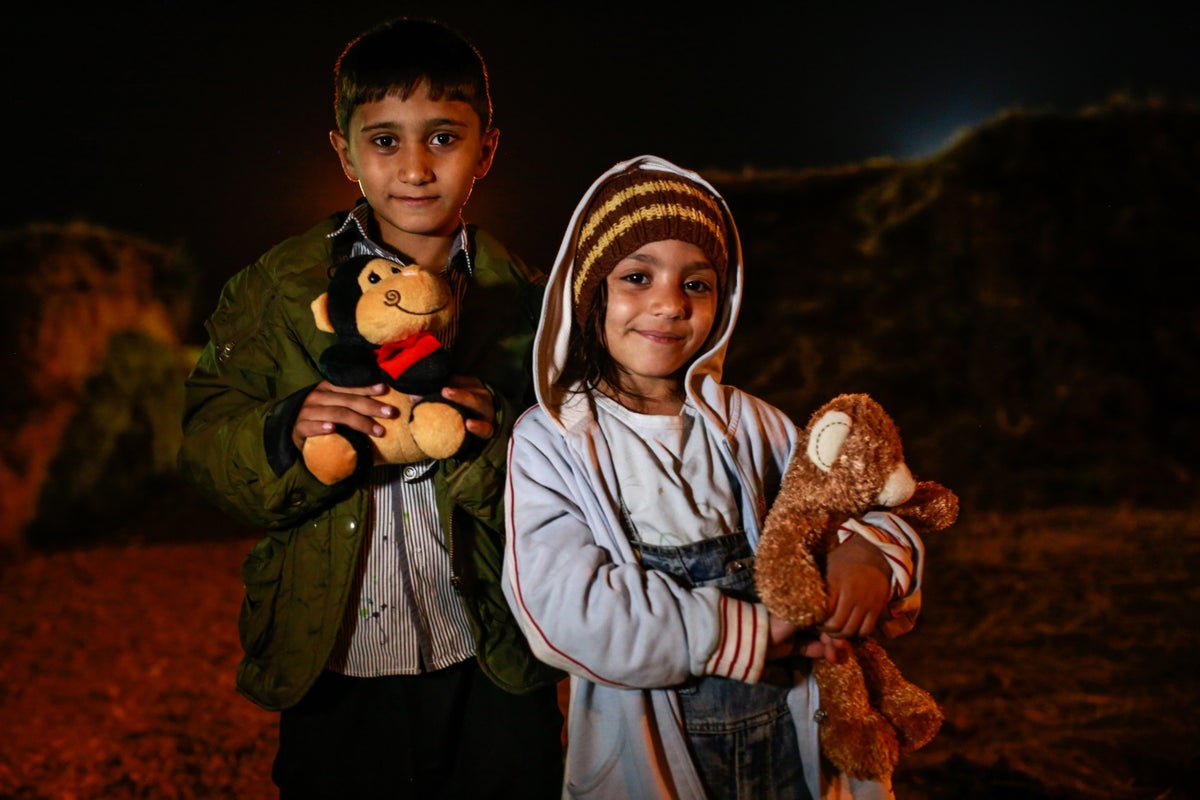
395	357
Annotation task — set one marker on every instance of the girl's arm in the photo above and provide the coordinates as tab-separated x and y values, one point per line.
584	612
874	577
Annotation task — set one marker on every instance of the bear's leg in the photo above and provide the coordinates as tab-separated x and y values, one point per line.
912	711
856	738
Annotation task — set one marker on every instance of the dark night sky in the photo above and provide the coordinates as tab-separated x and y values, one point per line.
204	124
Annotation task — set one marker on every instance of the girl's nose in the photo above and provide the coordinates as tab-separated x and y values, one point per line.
670	302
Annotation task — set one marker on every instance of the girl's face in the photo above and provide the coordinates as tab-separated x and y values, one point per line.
662	301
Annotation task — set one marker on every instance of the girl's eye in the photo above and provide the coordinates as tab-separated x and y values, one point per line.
635	277
697	286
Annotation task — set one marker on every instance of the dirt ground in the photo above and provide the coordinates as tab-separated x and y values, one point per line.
1062	645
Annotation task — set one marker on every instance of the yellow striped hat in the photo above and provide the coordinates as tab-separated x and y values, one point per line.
639	207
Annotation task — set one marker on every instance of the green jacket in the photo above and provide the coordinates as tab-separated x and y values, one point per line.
263	349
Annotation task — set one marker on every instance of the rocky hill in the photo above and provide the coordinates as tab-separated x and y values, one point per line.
1025	303
91	347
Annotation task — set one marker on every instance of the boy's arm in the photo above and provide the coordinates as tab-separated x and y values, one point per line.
478	399
482	464
246	388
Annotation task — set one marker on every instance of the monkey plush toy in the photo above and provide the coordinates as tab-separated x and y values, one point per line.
385	316
849	461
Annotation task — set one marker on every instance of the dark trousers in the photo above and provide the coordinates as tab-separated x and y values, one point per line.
437	736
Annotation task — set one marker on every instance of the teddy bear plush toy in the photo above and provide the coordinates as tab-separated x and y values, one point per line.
849	461
385	316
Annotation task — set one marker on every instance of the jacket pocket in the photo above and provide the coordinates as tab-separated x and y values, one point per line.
260	575
594	768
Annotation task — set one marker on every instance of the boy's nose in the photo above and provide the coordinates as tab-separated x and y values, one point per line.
414	166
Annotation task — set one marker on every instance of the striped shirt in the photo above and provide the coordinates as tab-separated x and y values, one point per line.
405	617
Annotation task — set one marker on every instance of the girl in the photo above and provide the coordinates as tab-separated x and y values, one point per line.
636	492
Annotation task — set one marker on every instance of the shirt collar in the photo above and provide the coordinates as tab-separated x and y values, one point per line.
358	224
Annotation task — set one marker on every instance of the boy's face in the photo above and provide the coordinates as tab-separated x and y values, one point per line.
416	161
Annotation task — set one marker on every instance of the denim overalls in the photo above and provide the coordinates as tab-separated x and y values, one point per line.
742	736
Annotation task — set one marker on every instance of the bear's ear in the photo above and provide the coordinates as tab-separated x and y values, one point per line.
320	309
826	437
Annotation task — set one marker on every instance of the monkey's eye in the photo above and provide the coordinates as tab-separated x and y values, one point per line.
374	278
395	270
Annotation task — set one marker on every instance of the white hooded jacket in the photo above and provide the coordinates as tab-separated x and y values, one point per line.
574	581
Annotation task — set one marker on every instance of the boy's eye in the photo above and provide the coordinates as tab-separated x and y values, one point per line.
443	139
384	140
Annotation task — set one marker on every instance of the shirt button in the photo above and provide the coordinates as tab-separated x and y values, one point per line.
410	472
296	498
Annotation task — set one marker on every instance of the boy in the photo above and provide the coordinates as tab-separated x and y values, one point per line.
373	617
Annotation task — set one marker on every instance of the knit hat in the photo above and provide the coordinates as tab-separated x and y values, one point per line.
639	207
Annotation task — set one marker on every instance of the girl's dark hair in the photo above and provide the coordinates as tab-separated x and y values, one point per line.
397	56
588	363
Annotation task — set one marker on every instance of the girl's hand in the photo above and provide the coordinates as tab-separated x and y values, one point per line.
786	640
781	638
860	587
823	646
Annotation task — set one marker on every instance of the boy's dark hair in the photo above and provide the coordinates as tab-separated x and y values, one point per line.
396	56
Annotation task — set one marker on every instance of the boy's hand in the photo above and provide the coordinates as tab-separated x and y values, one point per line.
860	588
471	392
328	405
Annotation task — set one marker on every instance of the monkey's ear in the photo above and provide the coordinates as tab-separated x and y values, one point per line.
320	310
826	438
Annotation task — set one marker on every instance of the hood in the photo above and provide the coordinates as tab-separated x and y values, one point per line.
554	329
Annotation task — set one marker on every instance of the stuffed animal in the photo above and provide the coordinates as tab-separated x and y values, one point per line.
849	461
385	316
